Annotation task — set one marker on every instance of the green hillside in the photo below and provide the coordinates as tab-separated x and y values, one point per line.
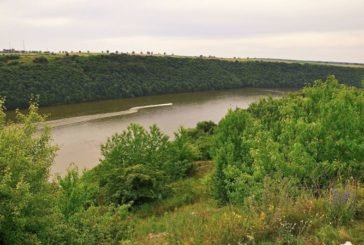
62	79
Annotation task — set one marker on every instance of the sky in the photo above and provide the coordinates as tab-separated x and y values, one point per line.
326	30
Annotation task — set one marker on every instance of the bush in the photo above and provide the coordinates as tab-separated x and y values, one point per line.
314	136
76	195
202	137
182	153
40	60
138	165
6	58
133	168
28	210
97	225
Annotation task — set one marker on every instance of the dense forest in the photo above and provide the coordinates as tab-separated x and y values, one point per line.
60	79
283	171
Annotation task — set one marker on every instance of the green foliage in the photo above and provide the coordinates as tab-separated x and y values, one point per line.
203	128
182	153
97	225
40	60
27	200
313	136
183	192
136	146
73	78
133	165
230	150
201	137
32	209
138	165
286	213
6	58
75	193
136	184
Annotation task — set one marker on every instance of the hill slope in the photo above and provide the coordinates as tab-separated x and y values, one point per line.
70	79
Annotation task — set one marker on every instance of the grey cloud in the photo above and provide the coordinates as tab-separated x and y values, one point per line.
65	23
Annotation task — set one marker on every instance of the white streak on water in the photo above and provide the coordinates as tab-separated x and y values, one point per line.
87	118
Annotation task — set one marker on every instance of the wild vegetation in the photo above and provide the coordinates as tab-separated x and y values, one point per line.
283	171
58	79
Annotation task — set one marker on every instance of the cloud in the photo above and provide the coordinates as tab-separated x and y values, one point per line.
47	22
313	29
348	46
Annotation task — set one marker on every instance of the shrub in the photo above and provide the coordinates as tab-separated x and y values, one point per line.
40	60
28	210
182	152
98	225
138	165
75	193
314	136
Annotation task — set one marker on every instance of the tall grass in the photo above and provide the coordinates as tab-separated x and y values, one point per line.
282	214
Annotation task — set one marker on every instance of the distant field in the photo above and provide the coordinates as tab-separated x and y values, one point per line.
28	57
345	64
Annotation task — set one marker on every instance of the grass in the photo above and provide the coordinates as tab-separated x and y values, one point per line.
284	214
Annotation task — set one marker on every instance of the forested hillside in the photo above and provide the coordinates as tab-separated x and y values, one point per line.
284	171
69	79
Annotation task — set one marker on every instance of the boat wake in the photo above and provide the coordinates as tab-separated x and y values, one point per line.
87	118
273	91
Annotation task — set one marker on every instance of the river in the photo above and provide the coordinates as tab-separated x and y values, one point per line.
80	129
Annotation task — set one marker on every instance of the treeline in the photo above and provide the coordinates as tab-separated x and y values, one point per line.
71	79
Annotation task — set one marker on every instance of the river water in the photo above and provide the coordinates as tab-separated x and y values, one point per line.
80	129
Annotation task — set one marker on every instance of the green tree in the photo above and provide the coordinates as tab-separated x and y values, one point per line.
181	155
76	195
134	165
28	213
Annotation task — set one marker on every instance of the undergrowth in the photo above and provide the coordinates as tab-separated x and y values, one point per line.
283	214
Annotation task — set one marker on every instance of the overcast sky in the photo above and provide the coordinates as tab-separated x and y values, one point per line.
331	30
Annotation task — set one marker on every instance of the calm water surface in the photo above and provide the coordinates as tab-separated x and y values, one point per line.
80	129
